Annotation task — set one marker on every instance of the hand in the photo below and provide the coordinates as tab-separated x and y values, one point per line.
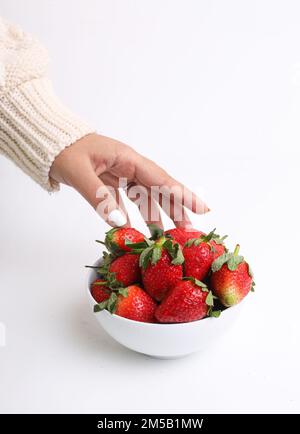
94	163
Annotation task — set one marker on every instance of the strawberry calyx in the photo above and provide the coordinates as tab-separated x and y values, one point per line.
211	236
155	231
109	278
210	303
107	258
197	282
233	260
153	252
109	242
137	248
150	250
209	298
115	239
111	303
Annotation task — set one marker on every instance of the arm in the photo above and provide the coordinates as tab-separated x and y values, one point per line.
34	125
36	131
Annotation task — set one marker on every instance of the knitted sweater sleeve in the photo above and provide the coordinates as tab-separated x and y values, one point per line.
34	125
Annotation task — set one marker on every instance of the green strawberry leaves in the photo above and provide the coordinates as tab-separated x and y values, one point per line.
197	282
155	231
145	257
150	251
214	313
209	299
220	240
211	236
123	291
193	242
112	282
156	254
233	260
109	242
100	306
111	303
174	251
137	248
220	261
102	270
106	261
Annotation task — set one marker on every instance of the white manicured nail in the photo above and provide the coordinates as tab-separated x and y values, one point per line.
117	218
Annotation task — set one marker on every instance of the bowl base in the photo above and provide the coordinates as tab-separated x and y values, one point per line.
167	357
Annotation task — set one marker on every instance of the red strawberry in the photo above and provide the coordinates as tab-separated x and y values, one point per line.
231	278
100	290
116	239
189	300
161	263
200	253
126	269
132	303
181	235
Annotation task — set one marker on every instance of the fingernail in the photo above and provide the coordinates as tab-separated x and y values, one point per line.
117	218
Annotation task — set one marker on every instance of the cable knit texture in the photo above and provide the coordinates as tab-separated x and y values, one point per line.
34	125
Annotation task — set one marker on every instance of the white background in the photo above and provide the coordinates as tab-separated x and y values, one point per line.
211	91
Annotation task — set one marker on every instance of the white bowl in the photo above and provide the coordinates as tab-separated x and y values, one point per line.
165	341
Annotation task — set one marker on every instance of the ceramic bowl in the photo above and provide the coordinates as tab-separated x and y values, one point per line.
165	341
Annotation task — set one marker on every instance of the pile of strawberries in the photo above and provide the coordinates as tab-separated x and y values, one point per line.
175	276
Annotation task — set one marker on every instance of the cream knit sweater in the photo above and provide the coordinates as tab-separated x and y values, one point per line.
34	126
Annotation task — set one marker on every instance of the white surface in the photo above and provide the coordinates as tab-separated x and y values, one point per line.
164	341
210	90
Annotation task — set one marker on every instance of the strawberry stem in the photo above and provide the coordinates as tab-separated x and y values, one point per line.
105	283
236	250
100	242
161	241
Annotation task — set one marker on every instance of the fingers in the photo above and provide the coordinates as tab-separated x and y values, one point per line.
149	174
148	207
122	207
174	210
112	181
105	200
154	214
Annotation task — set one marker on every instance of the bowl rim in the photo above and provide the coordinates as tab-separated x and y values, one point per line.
150	324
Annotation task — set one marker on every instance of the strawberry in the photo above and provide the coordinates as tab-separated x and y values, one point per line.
199	254
116	240
231	278
100	291
189	300
161	275
131	302
126	269
119	271
182	235
161	264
